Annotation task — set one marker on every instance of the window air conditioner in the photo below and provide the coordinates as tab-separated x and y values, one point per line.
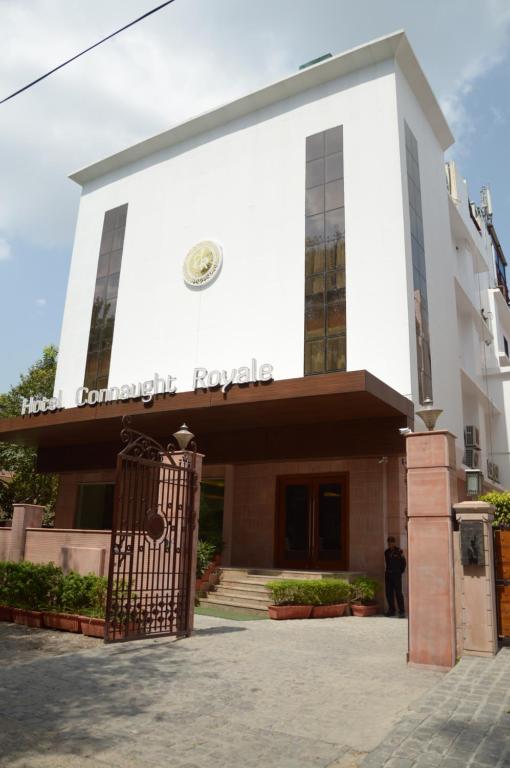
495	473
490	470
471	436
472	458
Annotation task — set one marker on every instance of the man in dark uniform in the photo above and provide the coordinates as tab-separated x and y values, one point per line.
395	567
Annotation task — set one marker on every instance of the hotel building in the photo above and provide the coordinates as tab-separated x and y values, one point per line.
292	274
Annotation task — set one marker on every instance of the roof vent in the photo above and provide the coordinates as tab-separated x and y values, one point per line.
316	61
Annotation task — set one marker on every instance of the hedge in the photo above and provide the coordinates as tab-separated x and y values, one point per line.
309	591
45	587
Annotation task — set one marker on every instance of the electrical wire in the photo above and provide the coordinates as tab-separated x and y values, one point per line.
77	56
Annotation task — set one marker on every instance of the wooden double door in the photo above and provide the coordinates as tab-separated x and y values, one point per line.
312	522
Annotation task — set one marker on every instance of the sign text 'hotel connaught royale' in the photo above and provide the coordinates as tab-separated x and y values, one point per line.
146	390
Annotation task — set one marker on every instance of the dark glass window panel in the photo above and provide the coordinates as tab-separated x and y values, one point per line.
315	173
334	224
104	363
210	524
315	229
314	318
335	286
336	357
121	215
100	289
101	382
115	261
314	286
91	366
110	309
107	241
102	267
333	167
106	342
335	254
314	257
95	506
335	318
296	522
329	521
334	195
314	356
113	286
333	140
118	239
110	220
315	146
314	200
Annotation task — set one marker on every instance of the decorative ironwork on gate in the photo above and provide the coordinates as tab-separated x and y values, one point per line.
151	552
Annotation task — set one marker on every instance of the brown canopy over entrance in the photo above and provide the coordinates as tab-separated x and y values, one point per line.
339	414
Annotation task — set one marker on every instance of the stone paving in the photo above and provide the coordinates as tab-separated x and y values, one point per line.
235	695
463	722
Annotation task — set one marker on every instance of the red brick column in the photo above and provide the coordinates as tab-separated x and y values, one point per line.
431	492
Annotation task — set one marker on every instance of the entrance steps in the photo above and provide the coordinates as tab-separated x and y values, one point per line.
244	589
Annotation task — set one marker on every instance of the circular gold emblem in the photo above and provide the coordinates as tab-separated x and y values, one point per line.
202	263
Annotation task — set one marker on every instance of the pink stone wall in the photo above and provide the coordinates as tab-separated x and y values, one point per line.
5	534
82	551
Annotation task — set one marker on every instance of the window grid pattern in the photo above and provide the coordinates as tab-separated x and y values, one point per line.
105	299
421	311
325	319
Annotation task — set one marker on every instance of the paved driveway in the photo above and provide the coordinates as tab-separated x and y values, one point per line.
273	694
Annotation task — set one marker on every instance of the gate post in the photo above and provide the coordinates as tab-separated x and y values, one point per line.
187	458
475	583
431	491
24	516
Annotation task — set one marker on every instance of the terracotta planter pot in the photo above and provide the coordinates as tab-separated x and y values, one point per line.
6	613
364	610
289	611
329	611
28	618
92	627
67	622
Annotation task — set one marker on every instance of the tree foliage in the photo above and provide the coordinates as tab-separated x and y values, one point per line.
501	502
26	485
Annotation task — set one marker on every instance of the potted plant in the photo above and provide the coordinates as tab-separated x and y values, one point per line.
330	598
363	601
291	600
33	587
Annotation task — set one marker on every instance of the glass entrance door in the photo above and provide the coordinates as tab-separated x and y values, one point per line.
312	522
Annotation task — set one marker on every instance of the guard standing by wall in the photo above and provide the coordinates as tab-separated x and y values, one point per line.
395	567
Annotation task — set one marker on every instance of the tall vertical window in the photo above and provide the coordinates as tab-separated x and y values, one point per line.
105	298
421	310
325	326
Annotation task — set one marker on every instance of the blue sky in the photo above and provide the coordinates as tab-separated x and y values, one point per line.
182	61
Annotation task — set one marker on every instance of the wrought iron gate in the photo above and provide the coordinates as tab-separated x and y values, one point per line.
502	565
151	552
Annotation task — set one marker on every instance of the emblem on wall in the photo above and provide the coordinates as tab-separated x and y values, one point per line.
202	263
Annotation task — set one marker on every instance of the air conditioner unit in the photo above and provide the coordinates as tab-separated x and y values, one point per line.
472	458
471	436
490	470
495	473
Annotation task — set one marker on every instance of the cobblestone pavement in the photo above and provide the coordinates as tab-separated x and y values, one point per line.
463	722
235	695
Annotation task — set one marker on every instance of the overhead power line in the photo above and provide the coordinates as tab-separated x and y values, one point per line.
77	56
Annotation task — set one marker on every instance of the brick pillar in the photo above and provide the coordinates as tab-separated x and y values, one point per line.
431	492
475	584
24	516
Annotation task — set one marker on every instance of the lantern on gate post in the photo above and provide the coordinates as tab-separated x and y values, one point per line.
474	482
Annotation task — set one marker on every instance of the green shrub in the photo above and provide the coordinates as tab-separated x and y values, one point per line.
501	502
205	553
364	590
44	587
309	591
